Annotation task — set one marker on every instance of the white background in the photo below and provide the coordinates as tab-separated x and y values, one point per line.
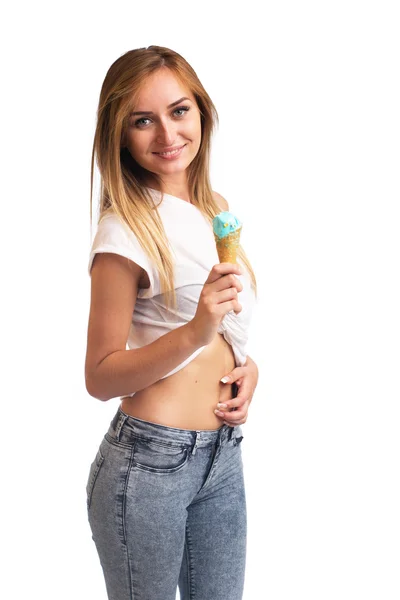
307	155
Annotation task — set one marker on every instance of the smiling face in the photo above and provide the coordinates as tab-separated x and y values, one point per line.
164	131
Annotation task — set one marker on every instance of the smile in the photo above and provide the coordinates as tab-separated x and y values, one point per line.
171	153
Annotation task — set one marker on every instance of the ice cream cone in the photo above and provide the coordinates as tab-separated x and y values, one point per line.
228	246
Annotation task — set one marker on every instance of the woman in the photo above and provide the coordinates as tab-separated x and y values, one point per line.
165	493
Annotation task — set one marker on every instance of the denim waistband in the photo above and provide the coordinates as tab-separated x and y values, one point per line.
135	427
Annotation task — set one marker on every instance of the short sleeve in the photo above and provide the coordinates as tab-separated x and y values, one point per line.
114	235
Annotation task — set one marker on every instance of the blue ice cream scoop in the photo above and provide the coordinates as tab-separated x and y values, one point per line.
225	223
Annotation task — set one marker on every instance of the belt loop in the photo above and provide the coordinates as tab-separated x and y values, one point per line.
121	421
227	432
195	443
221	435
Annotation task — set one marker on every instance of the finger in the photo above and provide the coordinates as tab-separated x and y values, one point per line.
235	403
234	375
227	281
232	305
243	397
234	415
223	269
235	423
226	295
244	392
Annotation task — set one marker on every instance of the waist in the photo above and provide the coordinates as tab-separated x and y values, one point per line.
128	429
187	399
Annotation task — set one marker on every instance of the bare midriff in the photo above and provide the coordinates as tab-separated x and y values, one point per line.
187	399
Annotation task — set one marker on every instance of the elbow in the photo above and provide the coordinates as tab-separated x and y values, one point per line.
93	389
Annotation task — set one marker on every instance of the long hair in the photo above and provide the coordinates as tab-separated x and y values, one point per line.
122	185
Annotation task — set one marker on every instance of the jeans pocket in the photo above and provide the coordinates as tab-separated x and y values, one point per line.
158	457
237	440
93	473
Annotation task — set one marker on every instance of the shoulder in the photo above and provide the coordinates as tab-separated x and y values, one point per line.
220	200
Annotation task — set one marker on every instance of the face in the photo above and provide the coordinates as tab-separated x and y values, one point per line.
164	131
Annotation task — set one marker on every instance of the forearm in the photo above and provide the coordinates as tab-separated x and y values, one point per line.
127	371
250	363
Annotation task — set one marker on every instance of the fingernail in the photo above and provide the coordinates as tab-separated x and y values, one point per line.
222	405
219	413
225	379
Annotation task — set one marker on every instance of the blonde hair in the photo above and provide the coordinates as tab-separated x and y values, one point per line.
122	186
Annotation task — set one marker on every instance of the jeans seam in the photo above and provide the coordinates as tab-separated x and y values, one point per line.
190	569
124	499
130	574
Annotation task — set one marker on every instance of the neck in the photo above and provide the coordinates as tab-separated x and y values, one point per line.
179	189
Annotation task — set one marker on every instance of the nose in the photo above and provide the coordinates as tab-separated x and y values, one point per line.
166	134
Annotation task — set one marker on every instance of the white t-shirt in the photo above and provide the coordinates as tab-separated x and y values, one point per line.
192	242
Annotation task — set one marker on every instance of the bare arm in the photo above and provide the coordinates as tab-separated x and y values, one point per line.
110	369
250	363
126	371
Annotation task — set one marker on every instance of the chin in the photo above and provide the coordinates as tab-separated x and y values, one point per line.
170	167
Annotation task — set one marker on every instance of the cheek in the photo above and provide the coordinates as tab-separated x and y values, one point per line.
136	145
195	130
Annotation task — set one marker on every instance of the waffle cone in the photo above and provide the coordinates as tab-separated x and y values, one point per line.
228	246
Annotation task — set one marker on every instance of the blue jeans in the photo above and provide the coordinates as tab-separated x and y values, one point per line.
167	509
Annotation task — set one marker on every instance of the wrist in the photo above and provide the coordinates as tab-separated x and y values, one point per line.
191	337
251	364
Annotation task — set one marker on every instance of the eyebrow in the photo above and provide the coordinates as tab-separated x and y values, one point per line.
148	112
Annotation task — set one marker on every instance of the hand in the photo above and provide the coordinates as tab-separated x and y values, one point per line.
217	298
246	378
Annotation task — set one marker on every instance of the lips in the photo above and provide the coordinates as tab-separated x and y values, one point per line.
170	151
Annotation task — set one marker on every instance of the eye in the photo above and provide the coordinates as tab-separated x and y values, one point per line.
184	108
139	122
